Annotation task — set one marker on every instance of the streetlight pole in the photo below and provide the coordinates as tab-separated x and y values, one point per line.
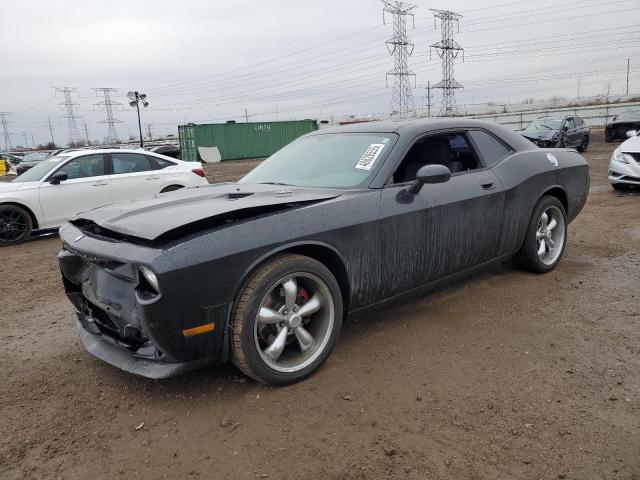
136	98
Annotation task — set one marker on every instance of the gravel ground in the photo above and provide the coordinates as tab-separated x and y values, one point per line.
507	375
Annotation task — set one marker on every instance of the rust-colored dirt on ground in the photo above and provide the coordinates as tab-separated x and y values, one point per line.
507	375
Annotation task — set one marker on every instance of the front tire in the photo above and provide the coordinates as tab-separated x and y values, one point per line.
546	237
287	320
15	225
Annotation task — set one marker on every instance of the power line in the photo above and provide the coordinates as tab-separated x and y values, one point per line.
108	105
448	50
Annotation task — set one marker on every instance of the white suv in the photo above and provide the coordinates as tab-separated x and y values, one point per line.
624	167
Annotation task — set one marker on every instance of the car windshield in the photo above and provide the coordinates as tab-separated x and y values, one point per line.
334	160
631	115
39	171
545	124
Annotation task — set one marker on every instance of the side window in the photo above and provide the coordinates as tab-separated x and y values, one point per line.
450	149
83	167
160	163
579	122
491	149
569	123
130	163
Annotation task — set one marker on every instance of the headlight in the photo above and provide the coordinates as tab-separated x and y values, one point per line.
150	278
618	156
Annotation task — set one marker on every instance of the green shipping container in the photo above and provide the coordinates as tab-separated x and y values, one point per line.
241	140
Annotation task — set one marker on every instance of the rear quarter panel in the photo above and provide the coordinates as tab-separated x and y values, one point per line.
527	175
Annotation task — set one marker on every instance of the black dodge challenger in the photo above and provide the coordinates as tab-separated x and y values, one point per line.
264	271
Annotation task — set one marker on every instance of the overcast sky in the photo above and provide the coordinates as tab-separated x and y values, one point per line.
209	60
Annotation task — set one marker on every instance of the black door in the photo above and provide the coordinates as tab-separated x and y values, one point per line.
446	228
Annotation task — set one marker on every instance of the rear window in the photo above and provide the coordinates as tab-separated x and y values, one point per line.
160	163
491	149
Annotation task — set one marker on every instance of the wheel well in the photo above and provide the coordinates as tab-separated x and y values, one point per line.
329	259
561	195
27	209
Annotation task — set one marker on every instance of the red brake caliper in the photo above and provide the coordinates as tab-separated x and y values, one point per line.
301	299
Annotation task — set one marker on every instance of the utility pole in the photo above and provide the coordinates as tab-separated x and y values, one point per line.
628	63
51	132
149	132
109	105
246	115
33	143
448	50
136	98
73	135
5	130
428	98
401	48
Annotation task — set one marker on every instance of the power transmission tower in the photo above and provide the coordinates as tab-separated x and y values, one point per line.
86	132
51	132
5	130
26	140
73	134
429	97
109	105
447	49
149	132
401	48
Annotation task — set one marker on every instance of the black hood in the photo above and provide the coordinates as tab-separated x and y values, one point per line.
149	218
539	134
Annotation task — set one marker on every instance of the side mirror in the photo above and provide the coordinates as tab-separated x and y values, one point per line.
58	177
632	133
430	174
565	128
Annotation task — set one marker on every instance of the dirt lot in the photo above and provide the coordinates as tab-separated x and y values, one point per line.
508	375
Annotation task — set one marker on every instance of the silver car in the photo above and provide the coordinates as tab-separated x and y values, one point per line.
624	167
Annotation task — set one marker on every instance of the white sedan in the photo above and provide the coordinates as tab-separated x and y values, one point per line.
624	167
50	193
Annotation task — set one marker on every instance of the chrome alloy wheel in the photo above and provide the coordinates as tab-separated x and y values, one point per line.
294	322
550	235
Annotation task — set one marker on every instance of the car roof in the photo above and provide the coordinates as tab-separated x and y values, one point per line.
416	126
91	151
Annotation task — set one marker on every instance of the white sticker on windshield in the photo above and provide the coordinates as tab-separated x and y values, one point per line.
370	156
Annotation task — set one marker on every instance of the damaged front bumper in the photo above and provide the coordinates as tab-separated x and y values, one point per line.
120	325
143	361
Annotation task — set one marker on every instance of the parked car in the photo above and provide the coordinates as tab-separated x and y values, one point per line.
549	132
341	220
30	160
172	151
47	195
624	166
622	123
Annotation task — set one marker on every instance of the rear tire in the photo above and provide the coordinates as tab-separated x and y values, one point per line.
546	237
171	188
270	341
15	225
585	144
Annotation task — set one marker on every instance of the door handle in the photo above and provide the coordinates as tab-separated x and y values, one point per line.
487	184
100	184
154	178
